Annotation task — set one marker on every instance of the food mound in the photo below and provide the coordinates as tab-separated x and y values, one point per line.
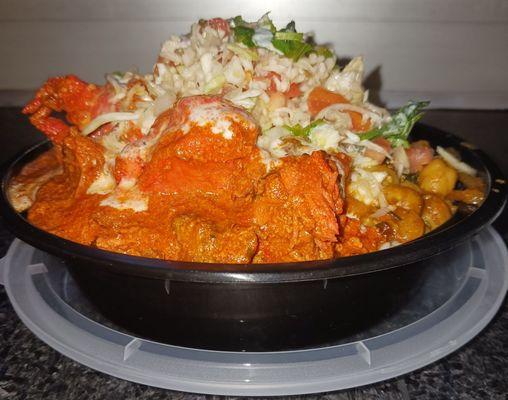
247	144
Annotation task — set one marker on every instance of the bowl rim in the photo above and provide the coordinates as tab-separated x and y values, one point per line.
450	234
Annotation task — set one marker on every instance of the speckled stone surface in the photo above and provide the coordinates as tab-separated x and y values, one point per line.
29	369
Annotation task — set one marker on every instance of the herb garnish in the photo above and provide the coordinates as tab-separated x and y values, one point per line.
298	130
397	130
287	41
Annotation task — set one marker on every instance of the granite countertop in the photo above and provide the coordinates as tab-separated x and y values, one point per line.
29	369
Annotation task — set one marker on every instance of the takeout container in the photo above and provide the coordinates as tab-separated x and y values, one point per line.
261	307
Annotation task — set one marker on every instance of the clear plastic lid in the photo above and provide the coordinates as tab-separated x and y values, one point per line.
456	301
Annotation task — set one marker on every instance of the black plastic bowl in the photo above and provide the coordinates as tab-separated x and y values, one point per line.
259	307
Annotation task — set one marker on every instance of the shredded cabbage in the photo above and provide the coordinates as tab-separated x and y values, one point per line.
106	118
455	162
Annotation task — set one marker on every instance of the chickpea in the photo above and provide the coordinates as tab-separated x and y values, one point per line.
406	224
277	100
405	197
411	185
467	196
435	211
437	177
472	182
358	208
391	175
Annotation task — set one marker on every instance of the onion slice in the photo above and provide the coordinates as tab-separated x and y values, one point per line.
455	162
382	211
106	118
341	107
400	160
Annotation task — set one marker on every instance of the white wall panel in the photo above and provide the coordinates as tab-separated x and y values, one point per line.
337	10
454	52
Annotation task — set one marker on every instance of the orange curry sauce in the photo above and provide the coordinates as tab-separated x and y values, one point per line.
210	198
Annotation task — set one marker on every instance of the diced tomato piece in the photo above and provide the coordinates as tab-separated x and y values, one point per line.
419	155
272	76
377	156
293	91
294	88
219	24
320	98
356	120
384	143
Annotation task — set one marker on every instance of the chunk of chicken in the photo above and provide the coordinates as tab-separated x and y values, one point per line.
81	101
206	157
24	187
296	210
197	128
